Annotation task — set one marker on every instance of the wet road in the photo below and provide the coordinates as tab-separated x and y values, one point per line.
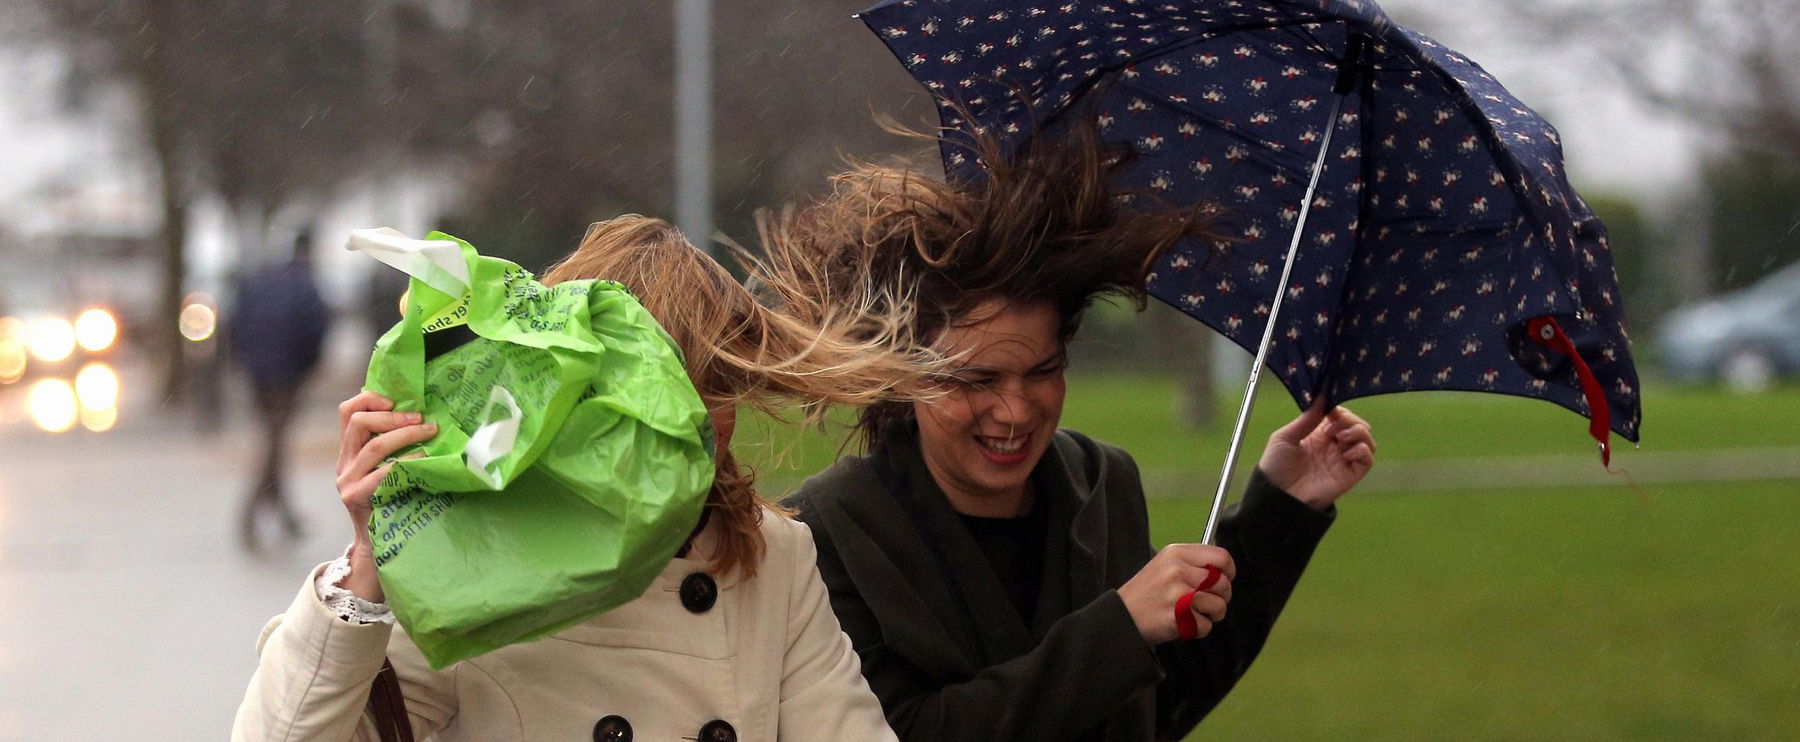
128	610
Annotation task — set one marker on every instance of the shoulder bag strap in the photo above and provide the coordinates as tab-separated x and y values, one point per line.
388	706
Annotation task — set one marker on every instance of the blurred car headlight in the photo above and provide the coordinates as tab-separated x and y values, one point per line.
198	320
51	339
101	420
52	405
12	350
96	330
97	387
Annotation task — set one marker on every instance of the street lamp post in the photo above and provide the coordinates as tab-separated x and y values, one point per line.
693	120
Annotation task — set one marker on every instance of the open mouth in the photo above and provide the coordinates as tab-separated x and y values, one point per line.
1003	450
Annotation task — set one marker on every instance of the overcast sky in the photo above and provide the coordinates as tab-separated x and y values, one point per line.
1611	142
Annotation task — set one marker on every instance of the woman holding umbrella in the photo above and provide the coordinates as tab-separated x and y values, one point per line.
995	573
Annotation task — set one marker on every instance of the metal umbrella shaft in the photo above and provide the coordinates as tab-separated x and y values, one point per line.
1262	349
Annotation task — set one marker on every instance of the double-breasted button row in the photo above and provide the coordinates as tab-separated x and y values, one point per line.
615	728
699	592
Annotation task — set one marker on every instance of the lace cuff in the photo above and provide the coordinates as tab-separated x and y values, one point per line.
345	603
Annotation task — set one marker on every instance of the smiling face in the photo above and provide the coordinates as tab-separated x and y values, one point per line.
983	438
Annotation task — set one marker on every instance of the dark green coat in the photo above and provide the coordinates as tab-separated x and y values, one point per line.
949	656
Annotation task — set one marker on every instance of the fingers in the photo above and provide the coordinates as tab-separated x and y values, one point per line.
1343	414
1208	608
1343	420
364	425
1204	568
1201	556
387	444
1354	433
357	480
1209	579
373	479
366	401
357	495
1303	425
1196	613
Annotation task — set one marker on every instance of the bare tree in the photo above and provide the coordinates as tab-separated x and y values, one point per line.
1728	65
137	42
266	103
1729	68
572	104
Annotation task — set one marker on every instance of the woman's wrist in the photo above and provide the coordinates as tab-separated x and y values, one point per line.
1310	497
363	581
348	606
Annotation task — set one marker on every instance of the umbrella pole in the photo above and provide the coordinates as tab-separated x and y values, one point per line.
1262	350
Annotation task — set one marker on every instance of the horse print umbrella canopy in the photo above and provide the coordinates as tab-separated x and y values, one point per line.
1441	246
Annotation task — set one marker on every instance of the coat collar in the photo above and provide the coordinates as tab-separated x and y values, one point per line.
1069	482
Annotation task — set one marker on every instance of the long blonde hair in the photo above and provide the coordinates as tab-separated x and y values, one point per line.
851	346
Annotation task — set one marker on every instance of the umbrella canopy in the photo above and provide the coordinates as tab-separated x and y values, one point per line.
1441	246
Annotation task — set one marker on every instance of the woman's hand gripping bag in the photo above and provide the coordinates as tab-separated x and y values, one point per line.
572	458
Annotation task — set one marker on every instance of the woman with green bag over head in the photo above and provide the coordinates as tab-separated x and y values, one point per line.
733	639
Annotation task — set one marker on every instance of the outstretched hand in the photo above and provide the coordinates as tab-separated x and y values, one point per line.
1320	455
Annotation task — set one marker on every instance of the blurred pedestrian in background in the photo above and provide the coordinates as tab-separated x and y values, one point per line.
277	333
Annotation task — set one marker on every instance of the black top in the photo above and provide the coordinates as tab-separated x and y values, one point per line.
951	659
1015	549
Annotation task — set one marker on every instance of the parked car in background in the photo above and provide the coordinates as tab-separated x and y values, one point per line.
1748	338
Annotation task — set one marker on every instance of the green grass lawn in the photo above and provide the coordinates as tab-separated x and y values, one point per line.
1668	612
1534	614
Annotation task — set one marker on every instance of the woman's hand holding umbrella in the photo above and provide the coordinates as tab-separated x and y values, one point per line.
1196	577
1320	455
1316	458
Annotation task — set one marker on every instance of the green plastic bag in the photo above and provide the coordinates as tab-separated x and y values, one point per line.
572	457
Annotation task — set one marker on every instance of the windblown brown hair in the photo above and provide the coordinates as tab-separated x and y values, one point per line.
854	350
1042	224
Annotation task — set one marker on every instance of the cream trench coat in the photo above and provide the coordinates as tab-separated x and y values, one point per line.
766	661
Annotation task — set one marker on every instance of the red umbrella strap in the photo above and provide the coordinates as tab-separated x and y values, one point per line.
1185	625
1546	332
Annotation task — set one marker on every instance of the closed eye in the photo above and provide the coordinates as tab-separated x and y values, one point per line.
1051	368
973	381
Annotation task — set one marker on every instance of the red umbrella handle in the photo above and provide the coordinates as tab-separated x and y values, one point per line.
1184	608
1546	332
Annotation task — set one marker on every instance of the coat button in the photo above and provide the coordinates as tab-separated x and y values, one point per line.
717	731
699	592
612	729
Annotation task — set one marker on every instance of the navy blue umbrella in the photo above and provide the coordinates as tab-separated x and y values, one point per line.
1401	222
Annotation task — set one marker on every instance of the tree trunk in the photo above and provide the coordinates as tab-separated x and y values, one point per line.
1187	348
155	81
